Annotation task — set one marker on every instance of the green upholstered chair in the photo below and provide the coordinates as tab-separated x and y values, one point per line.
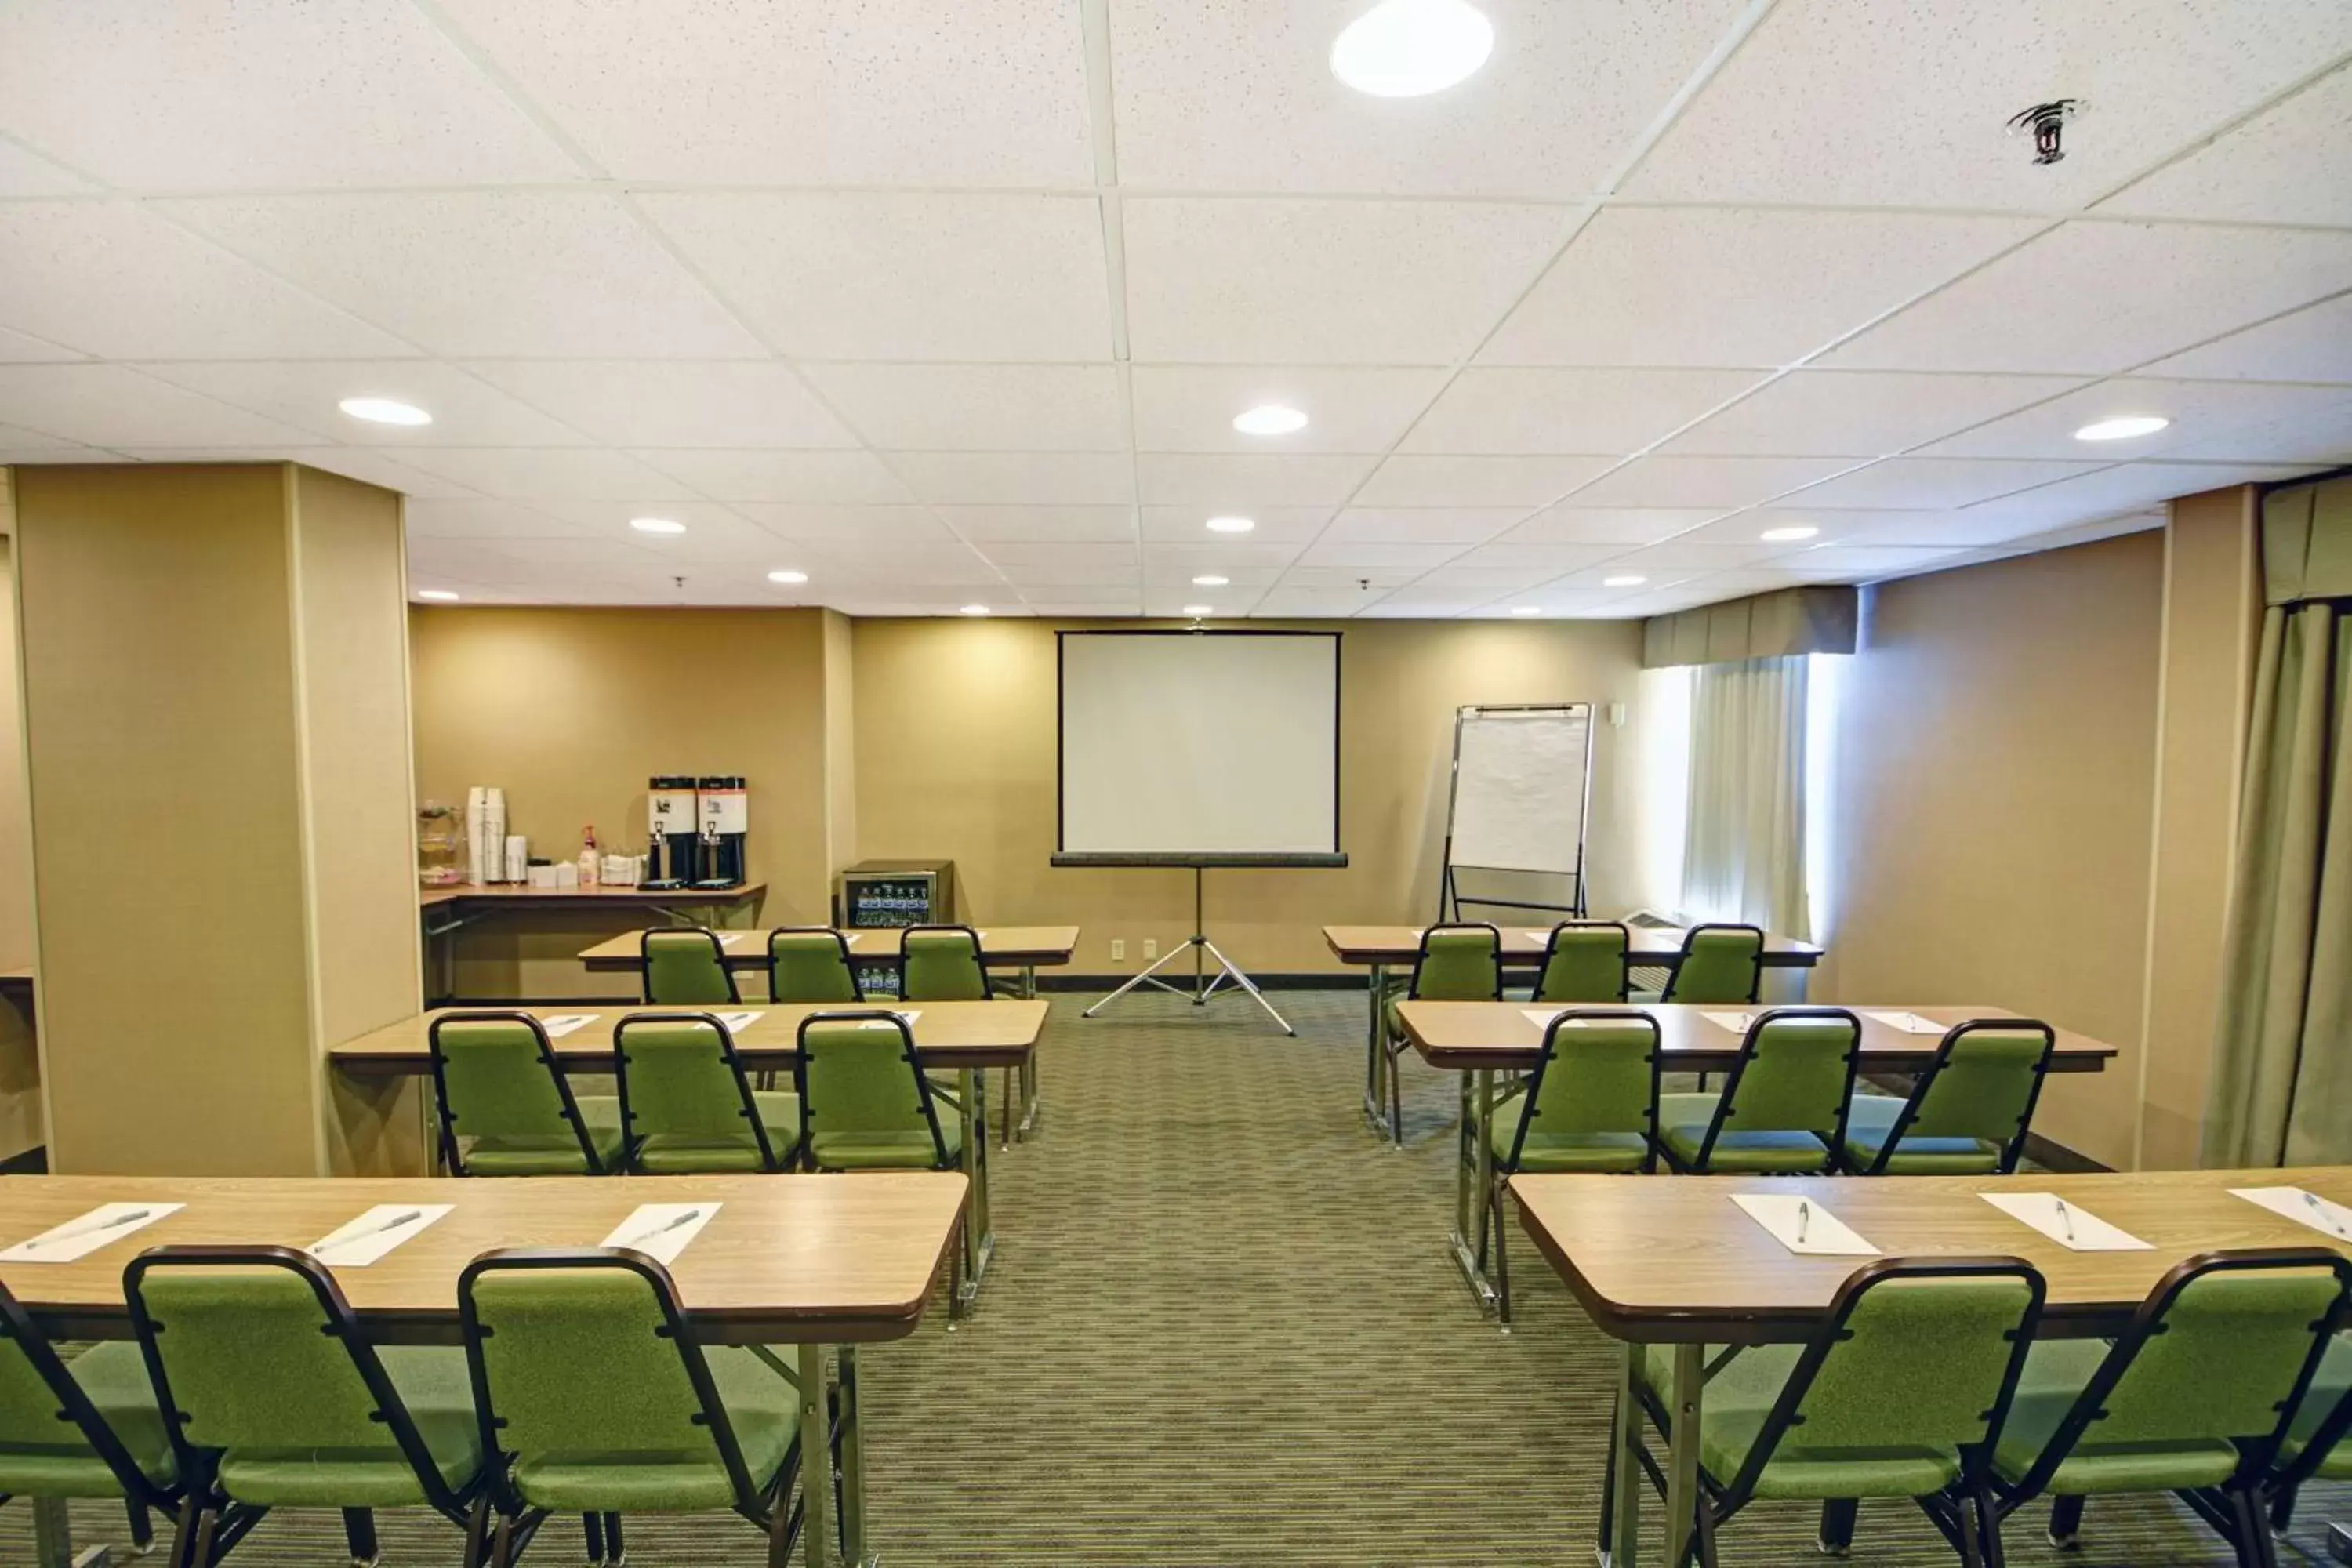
274	1398
1590	1104
1719	966
688	1106
2318	1444
687	968
811	966
1460	961
866	1102
2195	1397
1585	960
507	1110
1858	1411
941	963
1969	1111
87	1427
1782	1112
664	1424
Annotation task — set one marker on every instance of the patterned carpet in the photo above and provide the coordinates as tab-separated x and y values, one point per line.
1221	1329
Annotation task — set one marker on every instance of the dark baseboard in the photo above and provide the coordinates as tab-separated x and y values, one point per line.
33	1161
1050	981
2052	1156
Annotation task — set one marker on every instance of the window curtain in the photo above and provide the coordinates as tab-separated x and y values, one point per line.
1744	838
2282	1085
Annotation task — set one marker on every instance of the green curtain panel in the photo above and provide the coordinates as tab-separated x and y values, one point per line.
2282	1088
1744	834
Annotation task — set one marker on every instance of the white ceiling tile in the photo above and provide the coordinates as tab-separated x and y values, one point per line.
1569	411
1276	524
1966	528
227	94
1858	414
1484	581
1348	556
918	92
24	447
1411	603
1191	408
1896	104
116	279
25	172
1104	558
2322	440
2292	164
1654	575
1934	484
1234	482
2122	488
1325	282
904	275
979	407
1723	483
1238	95
545	474
1681	558
107	406
1061	606
16	348
305	393
479	520
673	403
855	524
2203	413
951	565
1749	527
1697	286
1175	577
1535	563
715	534
1865	563
486	274
1602	525
2314	344
1422	480
1014	478
1310	603
985	524
372	467
2094	298
816	479
1361	581
1421	525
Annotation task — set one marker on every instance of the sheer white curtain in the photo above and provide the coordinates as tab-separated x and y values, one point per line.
1744	839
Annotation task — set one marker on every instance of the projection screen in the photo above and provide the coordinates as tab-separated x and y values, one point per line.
1184	747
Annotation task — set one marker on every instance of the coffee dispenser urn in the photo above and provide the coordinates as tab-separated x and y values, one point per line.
725	815
672	832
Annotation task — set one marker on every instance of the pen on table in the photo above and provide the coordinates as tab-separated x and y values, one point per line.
1804	1213
660	1229
121	1219
2065	1217
394	1223
2330	1220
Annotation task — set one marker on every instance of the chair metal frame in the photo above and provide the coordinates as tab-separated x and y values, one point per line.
452	1157
140	1494
646	962
910	1053
748	1108
1625	953
1724	1109
2013	1150
1756	969
987	991
1394	1042
839	941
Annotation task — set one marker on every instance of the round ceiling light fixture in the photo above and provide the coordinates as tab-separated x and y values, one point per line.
787	579
1789	535
2122	427
1231	524
1409	48
385	411
1197	611
657	525
438	596
1628	581
973	610
1269	419
1210	581
1526	609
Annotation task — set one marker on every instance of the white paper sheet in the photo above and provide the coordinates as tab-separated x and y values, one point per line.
1737	1023
1540	938
2330	1220
1542	1019
1791	1218
980	936
851	939
374	1234
2064	1223
730	938
86	1233
558	1025
735	1021
661	1231
1909	1023
909	1014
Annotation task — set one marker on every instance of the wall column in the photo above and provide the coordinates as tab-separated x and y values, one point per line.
215	714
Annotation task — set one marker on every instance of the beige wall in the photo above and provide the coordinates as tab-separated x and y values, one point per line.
955	722
571	711
1995	801
20	1064
840	744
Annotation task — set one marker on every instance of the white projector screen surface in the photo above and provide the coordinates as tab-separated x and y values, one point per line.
1519	788
1200	744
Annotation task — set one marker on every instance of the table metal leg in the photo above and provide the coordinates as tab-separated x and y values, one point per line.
1029	1066
817	1461
1376	1059
1682	1501
1625	1474
979	1236
1474	1185
853	1465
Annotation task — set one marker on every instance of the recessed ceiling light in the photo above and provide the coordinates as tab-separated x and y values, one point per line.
973	610
1269	419
1231	524
1787	535
657	525
2123	427
438	596
1526	609
787	578
385	411
1210	581
1628	581
1196	611
1405	48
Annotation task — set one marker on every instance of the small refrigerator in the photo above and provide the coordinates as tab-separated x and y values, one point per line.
892	893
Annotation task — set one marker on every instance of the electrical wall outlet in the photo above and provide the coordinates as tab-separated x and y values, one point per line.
1151	947
1117	950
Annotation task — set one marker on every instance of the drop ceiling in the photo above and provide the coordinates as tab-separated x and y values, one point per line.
953	301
